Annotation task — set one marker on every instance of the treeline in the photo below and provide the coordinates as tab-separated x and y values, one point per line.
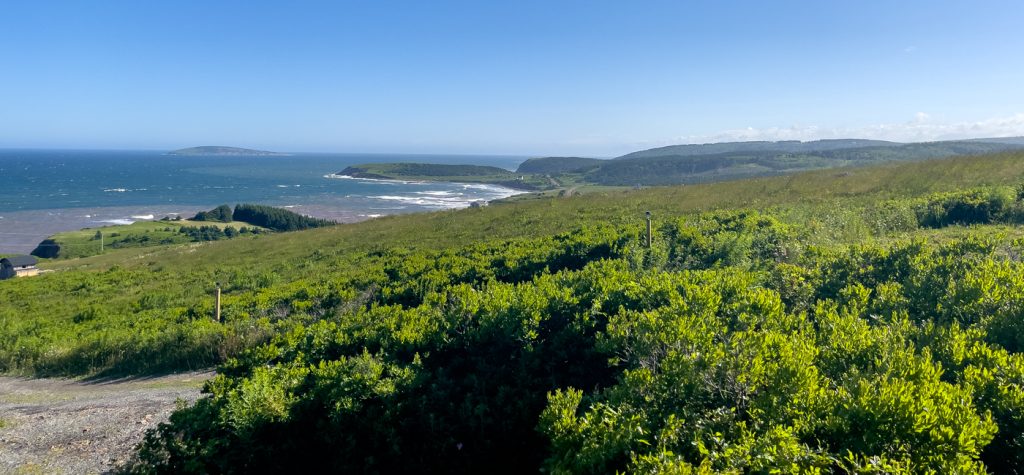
277	219
728	346
269	217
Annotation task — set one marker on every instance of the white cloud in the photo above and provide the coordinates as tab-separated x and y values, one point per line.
922	128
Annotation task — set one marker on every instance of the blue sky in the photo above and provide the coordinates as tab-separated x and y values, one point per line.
520	77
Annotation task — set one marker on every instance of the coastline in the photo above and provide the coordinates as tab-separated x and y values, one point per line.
21	231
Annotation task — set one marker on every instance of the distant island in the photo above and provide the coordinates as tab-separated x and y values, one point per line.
215	150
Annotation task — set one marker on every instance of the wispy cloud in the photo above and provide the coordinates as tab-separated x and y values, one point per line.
922	128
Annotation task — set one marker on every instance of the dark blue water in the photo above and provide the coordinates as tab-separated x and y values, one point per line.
45	191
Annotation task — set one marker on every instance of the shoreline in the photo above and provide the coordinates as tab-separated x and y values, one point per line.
518	191
21	231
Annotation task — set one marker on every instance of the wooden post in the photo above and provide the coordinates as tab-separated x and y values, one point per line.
101	242
218	303
648	229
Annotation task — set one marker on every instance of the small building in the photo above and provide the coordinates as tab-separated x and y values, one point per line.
18	266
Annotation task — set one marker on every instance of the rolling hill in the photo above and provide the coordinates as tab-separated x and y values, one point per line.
685	164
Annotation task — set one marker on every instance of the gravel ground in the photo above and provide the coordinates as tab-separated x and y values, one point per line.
68	426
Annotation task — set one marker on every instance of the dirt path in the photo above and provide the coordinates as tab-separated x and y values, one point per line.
67	426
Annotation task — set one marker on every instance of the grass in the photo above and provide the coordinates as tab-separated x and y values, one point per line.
84	243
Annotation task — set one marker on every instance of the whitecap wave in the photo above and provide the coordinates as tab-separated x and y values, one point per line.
428	201
143	216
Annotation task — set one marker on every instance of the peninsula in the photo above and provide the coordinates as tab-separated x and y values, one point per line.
216	150
450	173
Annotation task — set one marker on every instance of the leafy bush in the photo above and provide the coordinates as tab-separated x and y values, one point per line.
742	353
967	207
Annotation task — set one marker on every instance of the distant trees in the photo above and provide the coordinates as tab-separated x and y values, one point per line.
214	233
221	213
276	218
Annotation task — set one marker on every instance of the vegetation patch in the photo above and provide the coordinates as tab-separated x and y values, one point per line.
850	323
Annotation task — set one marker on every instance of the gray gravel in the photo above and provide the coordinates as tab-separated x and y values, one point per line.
68	426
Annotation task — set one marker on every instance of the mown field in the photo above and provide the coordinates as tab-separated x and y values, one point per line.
862	320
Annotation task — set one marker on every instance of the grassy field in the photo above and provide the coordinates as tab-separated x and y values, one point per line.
86	242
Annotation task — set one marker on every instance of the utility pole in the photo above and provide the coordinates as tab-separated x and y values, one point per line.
648	229
218	303
101	242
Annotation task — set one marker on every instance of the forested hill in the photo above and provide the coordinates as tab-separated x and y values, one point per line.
559	165
784	146
682	164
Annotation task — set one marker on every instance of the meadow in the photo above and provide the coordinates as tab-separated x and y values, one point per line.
859	320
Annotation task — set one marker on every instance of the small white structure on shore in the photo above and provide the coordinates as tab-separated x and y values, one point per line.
18	266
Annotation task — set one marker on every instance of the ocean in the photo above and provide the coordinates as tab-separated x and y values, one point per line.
47	191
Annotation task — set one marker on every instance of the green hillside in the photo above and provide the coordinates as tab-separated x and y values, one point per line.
857	320
669	165
740	148
87	242
559	165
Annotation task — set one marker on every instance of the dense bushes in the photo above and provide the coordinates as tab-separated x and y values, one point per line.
981	206
727	347
733	344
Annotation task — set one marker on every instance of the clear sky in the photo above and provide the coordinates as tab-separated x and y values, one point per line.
518	77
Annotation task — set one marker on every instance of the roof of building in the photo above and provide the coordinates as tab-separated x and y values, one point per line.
20	261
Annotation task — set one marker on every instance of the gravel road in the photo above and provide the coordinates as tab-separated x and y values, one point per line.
69	426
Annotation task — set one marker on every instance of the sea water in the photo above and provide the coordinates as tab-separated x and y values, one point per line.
47	191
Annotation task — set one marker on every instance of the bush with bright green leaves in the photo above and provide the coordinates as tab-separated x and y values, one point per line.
727	347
